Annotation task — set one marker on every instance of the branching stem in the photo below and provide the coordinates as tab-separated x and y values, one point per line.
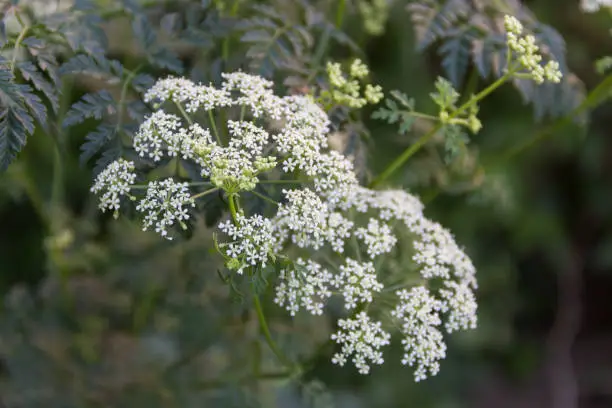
410	151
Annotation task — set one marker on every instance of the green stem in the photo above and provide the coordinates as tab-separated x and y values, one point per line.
281	181
340	13
213	124
424	116
123	96
233	208
227	40
203	193
410	151
266	332
184	113
598	95
260	314
22	35
263	197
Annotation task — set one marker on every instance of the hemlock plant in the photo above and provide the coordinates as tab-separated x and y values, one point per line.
248	146
328	234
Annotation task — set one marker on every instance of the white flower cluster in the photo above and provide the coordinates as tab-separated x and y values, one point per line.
362	338
377	237
304	219
419	314
333	215
357	282
253	242
166	202
306	285
114	181
310	223
592	6
528	53
183	91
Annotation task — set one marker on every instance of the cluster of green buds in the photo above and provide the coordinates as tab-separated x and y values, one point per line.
374	14
528	53
346	89
446	98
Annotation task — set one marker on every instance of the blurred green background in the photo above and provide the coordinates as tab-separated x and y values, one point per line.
109	303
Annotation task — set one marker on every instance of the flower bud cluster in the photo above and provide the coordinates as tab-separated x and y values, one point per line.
528	53
346	90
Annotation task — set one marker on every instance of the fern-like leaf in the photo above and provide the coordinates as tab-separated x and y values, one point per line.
93	105
30	73
98	67
17	102
95	141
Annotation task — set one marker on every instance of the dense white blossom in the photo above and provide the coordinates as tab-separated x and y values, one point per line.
166	203
419	316
461	305
304	216
306	285
254	92
335	228
377	237
253	241
185	92
362	339
158	133
357	282
113	182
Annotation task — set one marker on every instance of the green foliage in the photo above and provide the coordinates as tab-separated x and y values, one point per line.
469	36
392	113
292	44
94	105
19	107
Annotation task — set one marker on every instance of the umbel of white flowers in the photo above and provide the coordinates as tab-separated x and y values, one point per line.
331	233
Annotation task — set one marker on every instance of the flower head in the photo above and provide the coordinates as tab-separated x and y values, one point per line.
528	53
165	204
361	338
114	181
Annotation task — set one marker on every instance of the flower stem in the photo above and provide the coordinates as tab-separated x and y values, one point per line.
410	151
213	124
233	208
184	113
340	13
22	35
265	330
203	193
263	197
281	181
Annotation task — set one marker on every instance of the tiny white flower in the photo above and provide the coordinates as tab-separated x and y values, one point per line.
165	204
306	285
357	282
114	181
253	241
362	339
419	315
377	237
